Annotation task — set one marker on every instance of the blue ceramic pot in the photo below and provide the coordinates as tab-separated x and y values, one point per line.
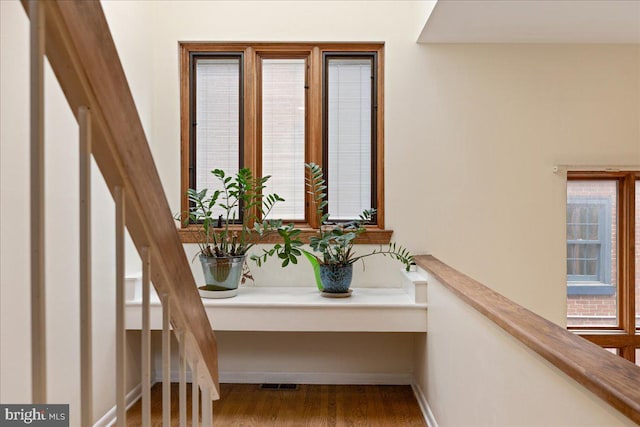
336	278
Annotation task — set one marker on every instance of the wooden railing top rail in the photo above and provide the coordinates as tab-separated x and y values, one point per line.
612	378
83	56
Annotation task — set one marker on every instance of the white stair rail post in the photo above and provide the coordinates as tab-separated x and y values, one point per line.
207	407
182	391
38	318
195	399
121	372
166	361
146	337
86	353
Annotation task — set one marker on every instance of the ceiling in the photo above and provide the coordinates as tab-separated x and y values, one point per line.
533	21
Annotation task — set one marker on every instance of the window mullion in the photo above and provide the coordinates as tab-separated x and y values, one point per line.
379	109
250	152
252	147
629	353
626	250
314	97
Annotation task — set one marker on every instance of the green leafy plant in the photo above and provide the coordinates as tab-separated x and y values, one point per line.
334	242
227	235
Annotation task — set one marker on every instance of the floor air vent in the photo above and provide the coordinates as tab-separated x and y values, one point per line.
269	386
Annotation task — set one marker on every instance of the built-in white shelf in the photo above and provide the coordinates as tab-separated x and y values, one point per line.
291	309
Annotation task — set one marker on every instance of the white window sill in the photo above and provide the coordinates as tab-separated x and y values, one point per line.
590	289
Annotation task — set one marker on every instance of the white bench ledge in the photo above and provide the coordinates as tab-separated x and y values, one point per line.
293	309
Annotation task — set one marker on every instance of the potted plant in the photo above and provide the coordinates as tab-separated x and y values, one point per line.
333	266
224	239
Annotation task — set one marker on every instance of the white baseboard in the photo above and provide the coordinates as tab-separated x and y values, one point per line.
110	417
244	377
427	413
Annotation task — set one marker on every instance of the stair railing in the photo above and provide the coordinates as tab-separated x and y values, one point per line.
75	37
615	380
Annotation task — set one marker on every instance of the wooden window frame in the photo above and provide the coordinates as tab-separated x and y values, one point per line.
314	53
625	336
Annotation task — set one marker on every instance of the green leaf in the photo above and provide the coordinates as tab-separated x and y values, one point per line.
315	264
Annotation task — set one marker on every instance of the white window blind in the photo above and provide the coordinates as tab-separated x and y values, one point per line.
283	134
218	120
349	136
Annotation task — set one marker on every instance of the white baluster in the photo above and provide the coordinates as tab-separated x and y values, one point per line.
86	353
38	318
121	372
146	337
207	409
166	362
182	391
195	398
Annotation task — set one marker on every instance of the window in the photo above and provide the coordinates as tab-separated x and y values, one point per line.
283	109
589	238
587	241
350	130
603	255
216	117
273	107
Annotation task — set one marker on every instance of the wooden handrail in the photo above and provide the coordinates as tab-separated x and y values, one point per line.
83	56
612	378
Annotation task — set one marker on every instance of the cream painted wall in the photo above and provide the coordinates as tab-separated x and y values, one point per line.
15	341
307	358
494	120
62	248
491	379
472	133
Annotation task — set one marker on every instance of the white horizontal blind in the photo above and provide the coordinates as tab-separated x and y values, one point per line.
218	120
349	136
283	134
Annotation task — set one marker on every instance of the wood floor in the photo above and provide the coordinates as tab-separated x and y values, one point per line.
311	405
